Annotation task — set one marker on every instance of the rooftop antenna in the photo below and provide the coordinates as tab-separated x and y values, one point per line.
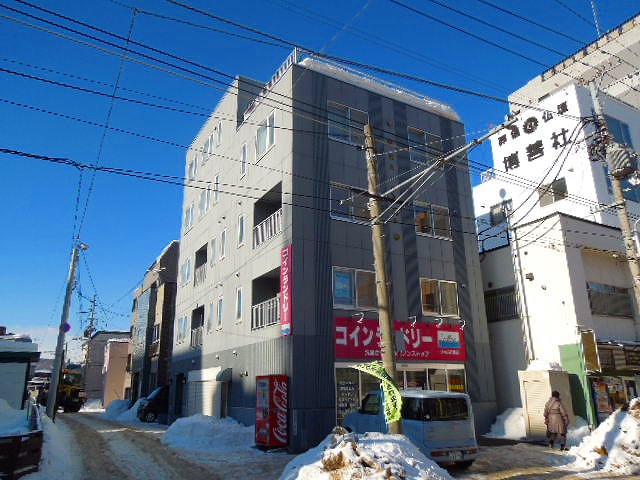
595	18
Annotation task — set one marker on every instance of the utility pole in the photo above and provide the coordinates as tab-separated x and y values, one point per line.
52	398
387	344
619	168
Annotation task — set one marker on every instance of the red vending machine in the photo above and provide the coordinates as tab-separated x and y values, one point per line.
272	411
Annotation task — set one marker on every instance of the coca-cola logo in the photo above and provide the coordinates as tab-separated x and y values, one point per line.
279	397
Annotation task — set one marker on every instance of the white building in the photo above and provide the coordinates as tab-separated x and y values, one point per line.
553	263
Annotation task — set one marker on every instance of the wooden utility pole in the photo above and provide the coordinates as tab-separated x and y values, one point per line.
617	172
387	343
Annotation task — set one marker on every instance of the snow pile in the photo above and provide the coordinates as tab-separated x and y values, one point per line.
60	458
544	365
119	411
578	432
92	405
208	434
509	424
372	456
615	445
12	421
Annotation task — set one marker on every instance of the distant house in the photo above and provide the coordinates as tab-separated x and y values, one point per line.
94	349
17	353
117	379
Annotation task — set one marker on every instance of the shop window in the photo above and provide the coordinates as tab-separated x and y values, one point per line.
415	379
456	380
437	379
348	393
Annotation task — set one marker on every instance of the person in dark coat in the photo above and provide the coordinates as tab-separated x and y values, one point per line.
556	419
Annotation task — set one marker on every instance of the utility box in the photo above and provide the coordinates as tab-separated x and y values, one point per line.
535	389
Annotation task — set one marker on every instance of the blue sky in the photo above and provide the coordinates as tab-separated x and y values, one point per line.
127	221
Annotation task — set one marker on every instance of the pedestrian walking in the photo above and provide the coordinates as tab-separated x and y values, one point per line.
556	419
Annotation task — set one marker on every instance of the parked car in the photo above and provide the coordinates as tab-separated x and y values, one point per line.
440	424
155	405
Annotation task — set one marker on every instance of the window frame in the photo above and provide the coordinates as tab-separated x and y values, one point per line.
219	311
348	124
216	188
354	284
423	152
268	124
242	227
353	207
431	210
439	298
223	244
244	159
550	193
239	311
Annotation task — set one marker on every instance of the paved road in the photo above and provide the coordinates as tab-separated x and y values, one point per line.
115	451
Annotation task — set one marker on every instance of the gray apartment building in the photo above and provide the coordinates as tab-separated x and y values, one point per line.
152	324
276	265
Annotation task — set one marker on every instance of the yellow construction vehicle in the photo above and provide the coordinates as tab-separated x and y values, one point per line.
71	395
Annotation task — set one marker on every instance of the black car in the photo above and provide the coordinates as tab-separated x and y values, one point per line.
154	405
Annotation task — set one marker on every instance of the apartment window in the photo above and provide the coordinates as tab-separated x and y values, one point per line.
432	220
265	137
206	150
238	304
223	244
354	288
202	203
185	271
346	124
192	168
619	130
207	203
181	333
439	297
217	133
424	147
216	188
241	230
219	311
497	214
629	190
214	250
188	217
501	304
552	192
244	160
609	300
348	204
211	317
155	336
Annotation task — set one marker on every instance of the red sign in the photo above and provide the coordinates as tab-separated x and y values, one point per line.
360	339
272	410
285	290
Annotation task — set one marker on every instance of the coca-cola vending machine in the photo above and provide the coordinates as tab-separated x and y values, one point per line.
272	411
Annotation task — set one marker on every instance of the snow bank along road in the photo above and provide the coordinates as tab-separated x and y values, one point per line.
115	451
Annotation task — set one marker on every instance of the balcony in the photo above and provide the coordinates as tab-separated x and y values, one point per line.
266	313
487	175
268	228
196	337
200	275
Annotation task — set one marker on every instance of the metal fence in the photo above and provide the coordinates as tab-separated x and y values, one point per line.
266	313
20	454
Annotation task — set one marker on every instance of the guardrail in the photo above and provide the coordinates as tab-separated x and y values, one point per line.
20	454
268	228
266	313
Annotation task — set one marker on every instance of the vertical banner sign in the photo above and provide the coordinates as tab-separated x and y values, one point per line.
272	411
285	290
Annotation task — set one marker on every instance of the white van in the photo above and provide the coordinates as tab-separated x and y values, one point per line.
440	424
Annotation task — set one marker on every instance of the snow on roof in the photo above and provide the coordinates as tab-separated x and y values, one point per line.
344	456
615	445
12	421
377	85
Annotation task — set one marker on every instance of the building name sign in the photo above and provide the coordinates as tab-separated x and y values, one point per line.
531	129
360	339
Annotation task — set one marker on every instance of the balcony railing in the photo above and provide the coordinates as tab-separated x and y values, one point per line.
266	313
487	175
196	337
200	275
268	228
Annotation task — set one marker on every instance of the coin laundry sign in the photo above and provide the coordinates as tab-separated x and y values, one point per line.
360	339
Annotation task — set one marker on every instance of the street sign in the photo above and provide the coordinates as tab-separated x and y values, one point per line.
65	327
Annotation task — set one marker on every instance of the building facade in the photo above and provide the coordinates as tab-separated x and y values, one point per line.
554	272
117	379
152	324
94	356
276	265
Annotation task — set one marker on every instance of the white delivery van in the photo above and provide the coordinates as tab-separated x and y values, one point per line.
440	424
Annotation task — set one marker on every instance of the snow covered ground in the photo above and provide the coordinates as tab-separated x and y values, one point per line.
12	422
613	447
